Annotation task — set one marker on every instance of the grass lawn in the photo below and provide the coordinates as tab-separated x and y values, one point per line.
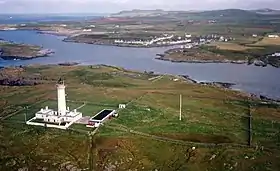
231	46
209	115
266	41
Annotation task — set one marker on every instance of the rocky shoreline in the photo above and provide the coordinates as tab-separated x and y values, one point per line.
69	64
11	76
197	55
201	61
215	84
226	85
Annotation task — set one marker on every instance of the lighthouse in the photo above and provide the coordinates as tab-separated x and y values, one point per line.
61	101
61	118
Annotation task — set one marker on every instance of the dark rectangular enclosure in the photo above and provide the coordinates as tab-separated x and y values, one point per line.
103	114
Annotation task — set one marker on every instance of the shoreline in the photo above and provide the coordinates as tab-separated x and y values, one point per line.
229	86
202	61
188	79
118	45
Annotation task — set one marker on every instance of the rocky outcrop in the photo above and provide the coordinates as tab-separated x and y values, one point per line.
15	77
69	64
218	84
215	84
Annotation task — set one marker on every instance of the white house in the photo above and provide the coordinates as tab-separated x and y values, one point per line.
188	35
273	36
122	106
276	54
87	30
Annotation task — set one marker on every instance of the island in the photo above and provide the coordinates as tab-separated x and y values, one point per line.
15	51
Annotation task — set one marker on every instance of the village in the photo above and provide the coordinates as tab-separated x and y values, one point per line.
170	40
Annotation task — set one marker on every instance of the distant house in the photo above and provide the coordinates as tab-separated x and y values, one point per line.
273	36
87	30
188	35
222	38
122	106
276	54
202	40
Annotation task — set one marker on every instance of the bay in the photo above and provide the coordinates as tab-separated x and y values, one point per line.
251	79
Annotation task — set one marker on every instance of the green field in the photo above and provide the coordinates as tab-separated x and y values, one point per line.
148	134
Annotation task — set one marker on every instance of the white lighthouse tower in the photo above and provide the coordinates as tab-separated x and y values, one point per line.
62	118
61	101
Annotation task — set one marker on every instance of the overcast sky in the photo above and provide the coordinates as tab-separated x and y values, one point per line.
109	6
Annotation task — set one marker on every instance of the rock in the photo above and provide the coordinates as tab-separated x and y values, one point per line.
69	64
260	63
218	84
69	167
11	163
23	169
187	78
212	157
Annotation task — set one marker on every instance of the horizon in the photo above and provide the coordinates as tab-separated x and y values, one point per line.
114	6
103	14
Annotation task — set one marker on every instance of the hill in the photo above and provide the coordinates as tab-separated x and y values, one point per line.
227	14
267	11
140	13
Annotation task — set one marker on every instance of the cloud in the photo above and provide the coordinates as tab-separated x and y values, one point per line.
94	6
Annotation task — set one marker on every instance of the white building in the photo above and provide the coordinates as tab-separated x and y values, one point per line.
276	55
122	106
273	36
87	30
188	35
62	118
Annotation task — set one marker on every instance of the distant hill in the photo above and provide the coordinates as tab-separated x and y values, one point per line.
229	13
266	11
214	14
140	13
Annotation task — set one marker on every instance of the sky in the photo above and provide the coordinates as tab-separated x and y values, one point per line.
111	6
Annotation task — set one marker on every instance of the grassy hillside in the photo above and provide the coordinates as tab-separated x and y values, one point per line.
147	135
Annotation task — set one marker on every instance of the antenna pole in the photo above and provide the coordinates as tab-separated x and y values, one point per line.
25	111
180	118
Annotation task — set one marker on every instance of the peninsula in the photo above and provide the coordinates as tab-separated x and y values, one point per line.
221	52
15	51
